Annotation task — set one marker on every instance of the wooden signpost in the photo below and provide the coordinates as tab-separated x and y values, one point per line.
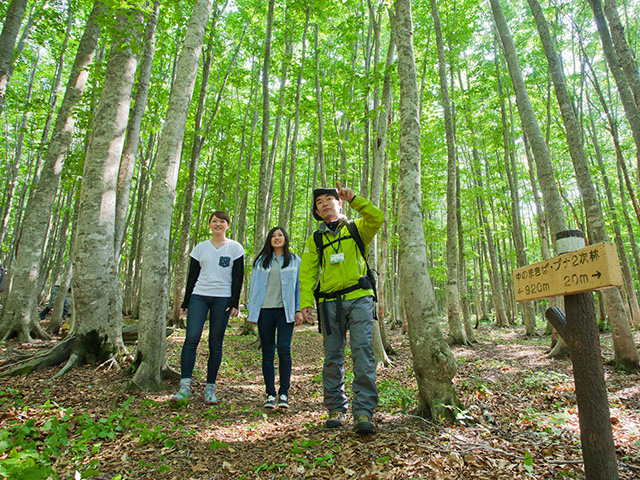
581	269
584	270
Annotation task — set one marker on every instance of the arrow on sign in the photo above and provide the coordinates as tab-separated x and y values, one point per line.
597	274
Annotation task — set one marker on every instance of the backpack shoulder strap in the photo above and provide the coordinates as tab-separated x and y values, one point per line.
355	234
317	238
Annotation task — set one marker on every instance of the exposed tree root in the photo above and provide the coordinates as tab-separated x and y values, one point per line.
74	360
27	334
51	358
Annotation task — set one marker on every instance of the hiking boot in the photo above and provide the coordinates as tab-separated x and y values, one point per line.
210	394
270	404
336	419
363	425
283	401
184	393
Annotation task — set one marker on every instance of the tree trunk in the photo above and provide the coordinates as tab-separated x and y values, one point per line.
631	110
626	353
182	260
151	355
320	142
97	307
263	181
457	334
625	54
19	311
8	37
296	129
132	140
512	177
433	361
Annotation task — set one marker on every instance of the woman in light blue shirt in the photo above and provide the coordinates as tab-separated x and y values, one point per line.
274	304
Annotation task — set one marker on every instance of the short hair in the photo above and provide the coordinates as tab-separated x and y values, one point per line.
222	215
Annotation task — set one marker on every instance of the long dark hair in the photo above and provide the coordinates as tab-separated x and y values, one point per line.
267	251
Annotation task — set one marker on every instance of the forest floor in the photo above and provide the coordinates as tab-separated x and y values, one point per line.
519	419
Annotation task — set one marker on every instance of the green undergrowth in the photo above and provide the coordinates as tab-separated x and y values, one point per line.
38	437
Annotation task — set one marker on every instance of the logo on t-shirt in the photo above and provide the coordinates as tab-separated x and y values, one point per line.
225	261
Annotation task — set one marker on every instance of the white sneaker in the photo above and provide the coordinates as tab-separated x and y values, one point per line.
210	394
184	393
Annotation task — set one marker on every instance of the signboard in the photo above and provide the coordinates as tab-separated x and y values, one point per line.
590	268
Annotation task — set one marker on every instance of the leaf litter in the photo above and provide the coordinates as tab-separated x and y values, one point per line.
520	419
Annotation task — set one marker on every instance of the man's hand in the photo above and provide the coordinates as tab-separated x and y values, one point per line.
234	311
306	314
345	193
183	311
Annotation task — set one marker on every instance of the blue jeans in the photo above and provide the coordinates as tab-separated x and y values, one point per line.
270	322
199	307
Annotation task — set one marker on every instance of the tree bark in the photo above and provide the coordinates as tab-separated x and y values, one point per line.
263	181
97	322
457	334
626	353
151	354
433	361
323	171
20	308
8	37
631	110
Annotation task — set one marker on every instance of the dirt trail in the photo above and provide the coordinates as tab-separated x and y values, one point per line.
518	404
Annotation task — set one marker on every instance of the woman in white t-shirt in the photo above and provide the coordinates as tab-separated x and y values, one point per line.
213	288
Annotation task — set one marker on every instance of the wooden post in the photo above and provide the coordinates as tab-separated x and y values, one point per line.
579	329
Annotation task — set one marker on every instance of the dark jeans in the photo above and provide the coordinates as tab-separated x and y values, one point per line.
199	307
270	322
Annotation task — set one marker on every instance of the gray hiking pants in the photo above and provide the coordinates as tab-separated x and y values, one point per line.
357	317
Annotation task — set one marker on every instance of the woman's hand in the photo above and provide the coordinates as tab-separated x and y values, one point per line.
234	311
299	318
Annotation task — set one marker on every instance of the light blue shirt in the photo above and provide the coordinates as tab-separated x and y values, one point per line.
290	288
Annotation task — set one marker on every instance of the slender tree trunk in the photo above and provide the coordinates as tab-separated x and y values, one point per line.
554	212
457	334
622	252
8	37
626	353
151	355
632	112
263	181
296	129
182	261
512	177
276	131
625	54
433	361
19	310
320	142
132	140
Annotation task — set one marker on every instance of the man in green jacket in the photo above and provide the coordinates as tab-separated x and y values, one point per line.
344	295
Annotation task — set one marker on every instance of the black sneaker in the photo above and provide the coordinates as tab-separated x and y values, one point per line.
270	403
283	401
336	419
363	425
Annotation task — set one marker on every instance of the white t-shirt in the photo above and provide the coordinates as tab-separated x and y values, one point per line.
216	265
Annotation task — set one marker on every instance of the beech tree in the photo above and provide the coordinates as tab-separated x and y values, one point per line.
150	360
18	314
433	361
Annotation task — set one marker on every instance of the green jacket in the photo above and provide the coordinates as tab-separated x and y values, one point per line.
339	275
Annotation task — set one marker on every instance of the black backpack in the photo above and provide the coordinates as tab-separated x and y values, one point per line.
355	235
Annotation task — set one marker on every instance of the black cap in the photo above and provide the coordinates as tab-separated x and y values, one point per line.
322	191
